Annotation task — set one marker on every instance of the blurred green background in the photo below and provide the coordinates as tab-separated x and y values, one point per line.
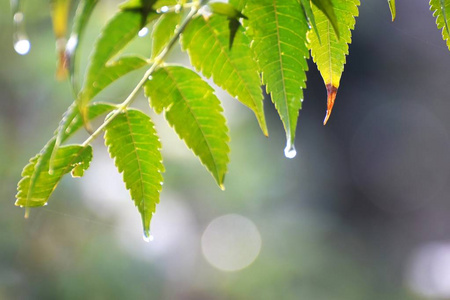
362	212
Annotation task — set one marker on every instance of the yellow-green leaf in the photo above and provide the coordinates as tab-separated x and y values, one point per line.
163	31
330	54
207	42
195	113
392	9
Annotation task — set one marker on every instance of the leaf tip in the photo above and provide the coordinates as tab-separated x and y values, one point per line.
331	97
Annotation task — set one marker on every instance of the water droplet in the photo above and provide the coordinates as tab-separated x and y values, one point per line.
143	32
164	9
147	237
290	151
46	203
22	46
150	77
21	43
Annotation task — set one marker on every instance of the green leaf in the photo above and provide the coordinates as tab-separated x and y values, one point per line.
392	9
441	11
193	110
234	70
329	54
81	19
38	183
327	7
226	9
110	73
306	4
120	30
163	31
132	142
279	41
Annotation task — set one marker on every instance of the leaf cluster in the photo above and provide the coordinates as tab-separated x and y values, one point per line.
241	45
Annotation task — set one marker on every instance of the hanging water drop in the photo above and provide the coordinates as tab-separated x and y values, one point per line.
290	151
21	43
143	32
148	237
22	46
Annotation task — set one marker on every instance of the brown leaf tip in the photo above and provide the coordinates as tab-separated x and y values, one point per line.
331	97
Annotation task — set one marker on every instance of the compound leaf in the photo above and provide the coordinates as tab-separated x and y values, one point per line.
38	182
279	31
441	11
193	110
329	54
132	142
207	42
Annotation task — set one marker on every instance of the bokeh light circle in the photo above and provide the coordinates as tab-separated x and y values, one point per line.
231	242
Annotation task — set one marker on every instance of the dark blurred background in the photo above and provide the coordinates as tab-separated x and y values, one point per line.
362	212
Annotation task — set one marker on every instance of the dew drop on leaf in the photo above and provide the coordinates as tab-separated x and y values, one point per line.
143	32
290	151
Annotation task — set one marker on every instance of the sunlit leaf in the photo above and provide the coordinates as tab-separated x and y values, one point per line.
135	147
279	31
120	30
441	11
163	31
306	4
392	9
327	7
81	19
329	54
193	110
38	182
232	69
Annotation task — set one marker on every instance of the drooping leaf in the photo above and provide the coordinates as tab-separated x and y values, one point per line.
163	31
279	31
392	9
193	110
38	183
306	4
81	19
120	30
441	11
329	54
132	142
60	16
232	69
327	7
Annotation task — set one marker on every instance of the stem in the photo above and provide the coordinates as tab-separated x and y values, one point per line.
156	63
